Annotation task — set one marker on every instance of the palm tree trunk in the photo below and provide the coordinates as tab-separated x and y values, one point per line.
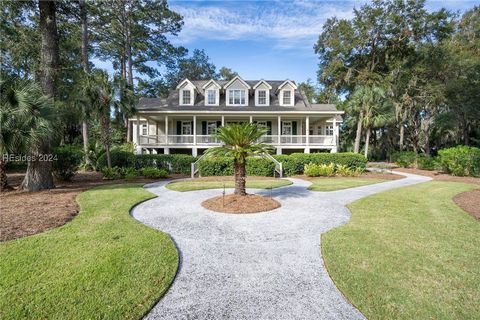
402	135
3	176
105	122
39	171
240	178
358	136
367	142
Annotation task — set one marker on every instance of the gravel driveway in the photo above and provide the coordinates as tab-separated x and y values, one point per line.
254	266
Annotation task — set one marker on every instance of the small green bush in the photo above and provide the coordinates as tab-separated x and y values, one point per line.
460	161
66	163
425	162
154	173
260	167
174	163
405	159
112	173
216	166
319	170
129	173
344	171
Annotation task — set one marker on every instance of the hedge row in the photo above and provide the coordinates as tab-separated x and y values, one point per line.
292	164
174	163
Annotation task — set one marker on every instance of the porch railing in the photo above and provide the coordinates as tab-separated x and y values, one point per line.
313	140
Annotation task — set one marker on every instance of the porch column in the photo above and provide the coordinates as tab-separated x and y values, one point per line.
138	148
156	131
279	131
335	135
251	119
223	121
307	134
166	129
195	130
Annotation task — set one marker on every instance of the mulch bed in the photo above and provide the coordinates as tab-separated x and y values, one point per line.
27	213
470	202
232	203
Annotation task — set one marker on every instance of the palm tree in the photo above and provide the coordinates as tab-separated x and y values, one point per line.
376	114
100	94
239	143
25	125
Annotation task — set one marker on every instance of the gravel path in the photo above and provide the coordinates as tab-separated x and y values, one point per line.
254	266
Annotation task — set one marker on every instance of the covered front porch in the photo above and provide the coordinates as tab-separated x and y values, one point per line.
154	133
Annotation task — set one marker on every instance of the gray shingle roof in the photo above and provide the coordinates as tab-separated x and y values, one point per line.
171	103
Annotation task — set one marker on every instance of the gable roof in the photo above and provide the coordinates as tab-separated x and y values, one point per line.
209	82
289	82
260	82
234	79
183	82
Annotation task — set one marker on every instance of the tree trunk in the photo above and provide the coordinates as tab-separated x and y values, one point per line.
86	69
129	126
105	123
402	135
367	141
3	176
358	136
240	178
49	46
39	173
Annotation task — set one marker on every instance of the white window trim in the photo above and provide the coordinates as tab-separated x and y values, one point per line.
287	124
186	124
211	124
292	98
217	97
227	98
328	128
257	97
192	97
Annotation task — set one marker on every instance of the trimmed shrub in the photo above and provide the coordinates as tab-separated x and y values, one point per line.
174	163
425	162
217	166
291	166
344	171
460	161
260	167
129	173
66	163
121	159
154	173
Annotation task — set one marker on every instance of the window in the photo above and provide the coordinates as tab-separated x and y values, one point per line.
211	127
144	129
236	97
310	130
186	127
287	97
262	97
329	130
287	128
186	99
211	97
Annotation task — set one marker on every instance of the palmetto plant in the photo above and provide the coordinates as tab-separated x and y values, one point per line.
25	121
239	143
99	91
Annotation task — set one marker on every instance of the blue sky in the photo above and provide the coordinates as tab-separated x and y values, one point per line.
267	39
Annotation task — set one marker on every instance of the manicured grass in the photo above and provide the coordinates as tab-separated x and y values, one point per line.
101	265
190	185
408	253
332	184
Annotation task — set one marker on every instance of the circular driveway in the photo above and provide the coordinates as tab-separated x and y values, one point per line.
254	266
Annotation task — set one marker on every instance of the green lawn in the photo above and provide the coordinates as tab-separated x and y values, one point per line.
101	265
332	184
408	253
190	185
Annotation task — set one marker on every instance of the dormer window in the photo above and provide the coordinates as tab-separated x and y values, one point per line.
287	97
286	93
211	97
262	97
236	97
186	97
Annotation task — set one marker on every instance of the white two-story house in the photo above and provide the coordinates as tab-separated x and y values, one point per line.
185	121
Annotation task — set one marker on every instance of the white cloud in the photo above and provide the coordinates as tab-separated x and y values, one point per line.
287	24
